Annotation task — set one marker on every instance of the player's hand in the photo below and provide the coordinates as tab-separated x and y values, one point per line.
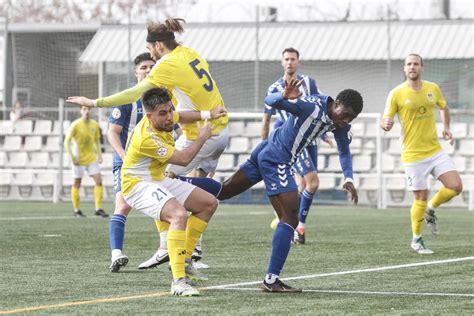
205	131
291	90
82	101
387	124
447	135
349	187
218	112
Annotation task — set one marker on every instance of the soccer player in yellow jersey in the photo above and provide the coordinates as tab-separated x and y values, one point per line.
414	101
149	149
186	74
86	157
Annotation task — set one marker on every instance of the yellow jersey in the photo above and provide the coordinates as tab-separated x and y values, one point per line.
416	112
146	154
86	134
187	75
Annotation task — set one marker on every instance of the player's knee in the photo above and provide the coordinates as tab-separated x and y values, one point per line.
457	187
122	209
312	186
179	216
211	205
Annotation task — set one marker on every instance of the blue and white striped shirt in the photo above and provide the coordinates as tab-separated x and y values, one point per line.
308	121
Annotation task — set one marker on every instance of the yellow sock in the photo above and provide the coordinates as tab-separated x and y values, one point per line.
98	194
161	226
442	196
76	200
417	214
177	252
194	229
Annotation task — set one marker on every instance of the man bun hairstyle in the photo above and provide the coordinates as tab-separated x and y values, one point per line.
154	97
352	99
164	32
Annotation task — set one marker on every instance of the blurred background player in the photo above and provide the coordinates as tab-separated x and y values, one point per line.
184	72
414	101
306	166
86	156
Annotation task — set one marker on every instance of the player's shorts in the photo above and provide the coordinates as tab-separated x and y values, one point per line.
277	176
307	161
417	172
149	197
91	169
117	170
208	156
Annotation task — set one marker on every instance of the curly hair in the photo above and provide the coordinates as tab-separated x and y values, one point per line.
352	99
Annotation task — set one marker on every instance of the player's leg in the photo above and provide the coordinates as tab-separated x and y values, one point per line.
417	182
285	204
445	171
94	171
117	225
161	255
77	173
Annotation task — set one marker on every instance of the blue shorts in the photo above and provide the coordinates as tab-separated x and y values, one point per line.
307	161
117	170
277	175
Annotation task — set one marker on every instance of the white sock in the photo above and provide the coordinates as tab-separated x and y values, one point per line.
162	251
300	225
415	238
163	241
271	278
116	253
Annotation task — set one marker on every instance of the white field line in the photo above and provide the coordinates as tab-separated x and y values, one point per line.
312	276
232	287
359	292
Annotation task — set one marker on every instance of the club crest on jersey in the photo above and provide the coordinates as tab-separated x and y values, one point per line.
116	113
161	151
430	96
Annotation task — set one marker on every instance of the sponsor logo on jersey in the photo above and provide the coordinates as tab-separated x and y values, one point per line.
161	151
430	96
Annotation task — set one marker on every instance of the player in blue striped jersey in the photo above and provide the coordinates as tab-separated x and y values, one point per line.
272	162
306	167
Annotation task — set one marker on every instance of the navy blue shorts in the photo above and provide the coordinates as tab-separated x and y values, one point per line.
277	175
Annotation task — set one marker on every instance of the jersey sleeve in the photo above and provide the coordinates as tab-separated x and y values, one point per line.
155	149
313	88
268	109
440	101
126	96
276	101
119	115
343	139
391	107
162	75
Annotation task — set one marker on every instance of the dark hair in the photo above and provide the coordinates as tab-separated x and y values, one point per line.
142	57
169	25
155	97
416	55
352	99
291	50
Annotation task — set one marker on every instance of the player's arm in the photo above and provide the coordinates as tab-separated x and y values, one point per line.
343	139
280	100
124	97
265	129
446	120
113	136
97	145
185	156
390	110
67	146
194	116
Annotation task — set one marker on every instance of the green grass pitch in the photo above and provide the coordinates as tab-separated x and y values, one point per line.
52	263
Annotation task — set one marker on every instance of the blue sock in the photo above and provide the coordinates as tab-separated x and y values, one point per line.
306	198
280	247
117	231
207	184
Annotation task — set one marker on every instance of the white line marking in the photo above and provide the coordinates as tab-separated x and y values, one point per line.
311	276
360	292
